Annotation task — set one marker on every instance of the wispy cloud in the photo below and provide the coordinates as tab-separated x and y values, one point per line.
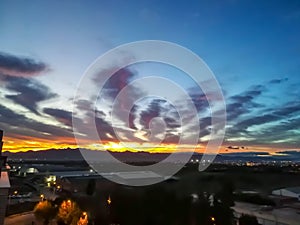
26	92
244	102
278	81
20	66
253	123
21	88
63	116
17	124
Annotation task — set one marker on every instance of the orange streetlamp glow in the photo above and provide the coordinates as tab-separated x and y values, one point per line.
109	200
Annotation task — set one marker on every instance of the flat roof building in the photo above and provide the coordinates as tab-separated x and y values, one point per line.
268	215
4	183
293	192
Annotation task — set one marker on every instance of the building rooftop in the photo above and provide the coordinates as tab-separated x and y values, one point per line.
293	189
81	173
285	215
123	175
137	175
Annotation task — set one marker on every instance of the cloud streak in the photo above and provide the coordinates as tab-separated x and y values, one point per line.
63	116
17	124
20	66
244	103
27	92
253	123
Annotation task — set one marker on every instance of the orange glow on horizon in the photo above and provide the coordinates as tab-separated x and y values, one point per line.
25	143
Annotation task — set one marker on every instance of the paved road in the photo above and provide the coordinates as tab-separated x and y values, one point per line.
48	193
28	218
21	219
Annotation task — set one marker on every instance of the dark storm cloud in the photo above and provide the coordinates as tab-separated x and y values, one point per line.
17	124
63	116
29	92
20	66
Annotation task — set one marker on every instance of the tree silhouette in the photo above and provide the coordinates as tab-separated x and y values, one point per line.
91	186
44	211
225	195
248	220
68	213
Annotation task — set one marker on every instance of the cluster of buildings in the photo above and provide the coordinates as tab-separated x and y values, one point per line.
286	210
4	183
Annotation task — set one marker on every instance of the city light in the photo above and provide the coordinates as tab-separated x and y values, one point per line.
109	200
83	220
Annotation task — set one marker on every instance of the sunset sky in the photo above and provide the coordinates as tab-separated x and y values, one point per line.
252	47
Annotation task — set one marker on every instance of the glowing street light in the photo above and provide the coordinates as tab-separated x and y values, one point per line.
213	220
109	200
58	188
83	220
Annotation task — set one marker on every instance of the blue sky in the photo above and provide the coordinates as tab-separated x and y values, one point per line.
252	47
